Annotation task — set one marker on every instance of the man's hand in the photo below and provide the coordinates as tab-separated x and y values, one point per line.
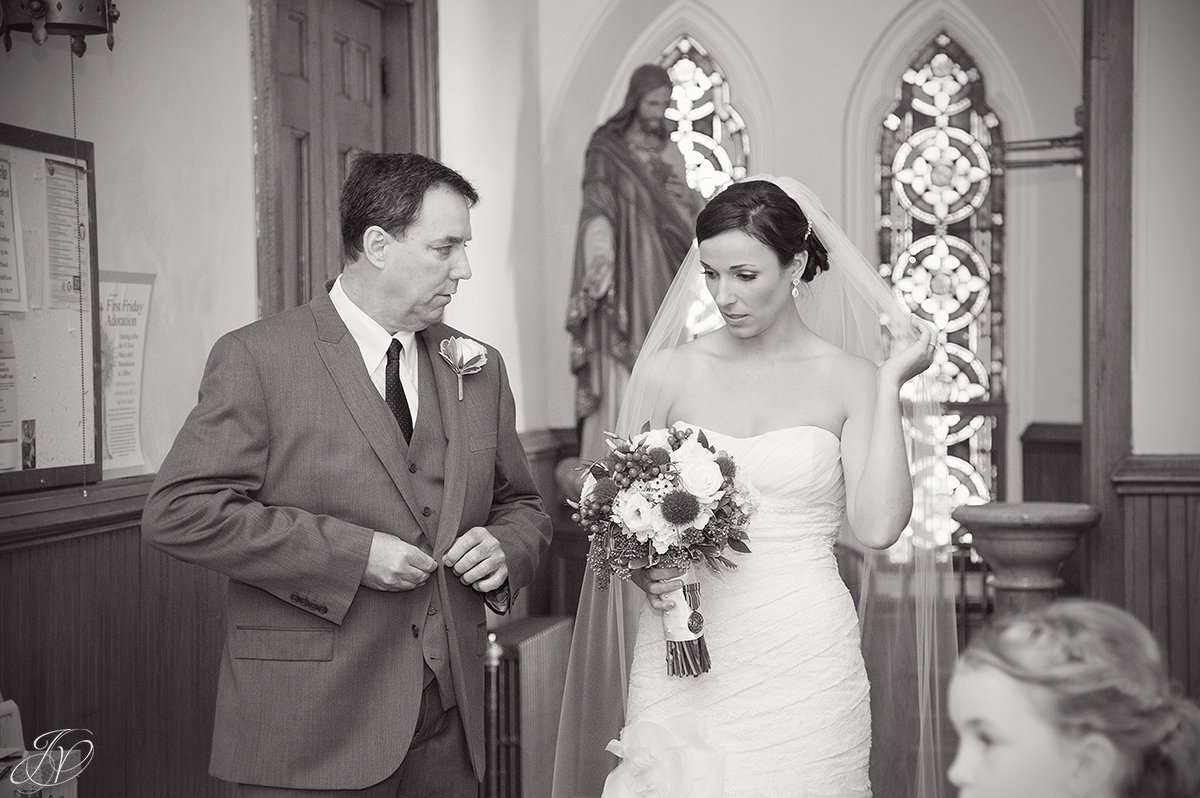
657	582
395	565
478	560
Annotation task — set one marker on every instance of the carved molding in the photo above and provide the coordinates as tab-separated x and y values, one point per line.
1155	474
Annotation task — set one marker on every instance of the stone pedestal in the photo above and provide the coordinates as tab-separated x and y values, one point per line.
1025	545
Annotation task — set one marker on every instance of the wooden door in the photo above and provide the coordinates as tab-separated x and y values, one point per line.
332	78
328	69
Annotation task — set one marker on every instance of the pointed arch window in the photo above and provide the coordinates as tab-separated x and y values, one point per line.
941	240
708	129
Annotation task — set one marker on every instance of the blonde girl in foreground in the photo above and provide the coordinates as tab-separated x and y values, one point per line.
1071	700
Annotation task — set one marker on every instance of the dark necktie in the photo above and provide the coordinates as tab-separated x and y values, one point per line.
394	391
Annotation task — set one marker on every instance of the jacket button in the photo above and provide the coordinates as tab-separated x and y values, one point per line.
322	609
431	611
412	468
427	512
416	631
296	598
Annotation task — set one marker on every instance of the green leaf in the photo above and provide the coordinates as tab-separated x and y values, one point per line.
738	545
646	426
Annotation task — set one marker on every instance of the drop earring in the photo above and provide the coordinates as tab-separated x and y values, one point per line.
796	286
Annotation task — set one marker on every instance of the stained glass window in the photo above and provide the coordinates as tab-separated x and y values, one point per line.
709	130
941	241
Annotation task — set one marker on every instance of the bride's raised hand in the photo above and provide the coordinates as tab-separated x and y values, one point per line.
912	359
657	582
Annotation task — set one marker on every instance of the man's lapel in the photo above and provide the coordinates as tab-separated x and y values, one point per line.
454	422
343	359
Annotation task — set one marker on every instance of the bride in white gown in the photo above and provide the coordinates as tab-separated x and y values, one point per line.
787	698
816	427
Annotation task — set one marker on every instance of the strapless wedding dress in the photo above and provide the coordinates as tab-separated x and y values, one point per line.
787	697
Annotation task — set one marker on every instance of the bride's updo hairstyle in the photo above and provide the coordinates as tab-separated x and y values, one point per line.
1094	668
764	211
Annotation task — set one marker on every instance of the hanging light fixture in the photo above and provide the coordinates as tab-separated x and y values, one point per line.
74	18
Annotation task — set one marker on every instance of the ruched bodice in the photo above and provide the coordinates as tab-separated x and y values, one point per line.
787	696
797	472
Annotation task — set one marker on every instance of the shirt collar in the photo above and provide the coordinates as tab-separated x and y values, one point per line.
372	339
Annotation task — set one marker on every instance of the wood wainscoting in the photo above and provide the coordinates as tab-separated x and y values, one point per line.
1052	471
1160	498
1051	462
1159	524
101	632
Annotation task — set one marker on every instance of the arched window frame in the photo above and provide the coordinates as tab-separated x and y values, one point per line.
941	239
709	131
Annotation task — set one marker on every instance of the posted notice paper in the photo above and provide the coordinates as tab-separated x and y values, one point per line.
124	310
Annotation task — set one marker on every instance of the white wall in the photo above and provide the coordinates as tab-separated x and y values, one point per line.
490	131
1166	268
169	113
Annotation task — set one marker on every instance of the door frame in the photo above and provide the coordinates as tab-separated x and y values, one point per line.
410	115
1108	40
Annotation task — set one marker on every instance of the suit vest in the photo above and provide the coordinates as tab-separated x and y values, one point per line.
427	465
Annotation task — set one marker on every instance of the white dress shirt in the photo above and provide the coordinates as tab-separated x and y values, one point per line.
373	342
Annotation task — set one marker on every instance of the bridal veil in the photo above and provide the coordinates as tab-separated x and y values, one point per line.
905	593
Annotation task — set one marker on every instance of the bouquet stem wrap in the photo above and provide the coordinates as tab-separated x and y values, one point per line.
687	653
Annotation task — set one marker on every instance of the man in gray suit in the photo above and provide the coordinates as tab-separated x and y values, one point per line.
365	499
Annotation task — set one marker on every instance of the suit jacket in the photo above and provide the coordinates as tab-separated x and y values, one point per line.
279	478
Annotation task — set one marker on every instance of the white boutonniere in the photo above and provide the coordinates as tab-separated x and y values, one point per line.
464	356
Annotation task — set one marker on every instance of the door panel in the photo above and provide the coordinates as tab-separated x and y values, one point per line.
320	68
328	73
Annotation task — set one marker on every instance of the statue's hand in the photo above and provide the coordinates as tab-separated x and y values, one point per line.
599	277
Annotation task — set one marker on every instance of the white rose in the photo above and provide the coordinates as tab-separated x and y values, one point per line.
702	478
589	484
653	439
664	535
691	450
618	506
636	516
464	350
473	349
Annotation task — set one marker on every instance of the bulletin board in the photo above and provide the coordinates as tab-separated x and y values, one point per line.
49	331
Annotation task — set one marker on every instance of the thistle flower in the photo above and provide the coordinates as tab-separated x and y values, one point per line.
605	491
680	508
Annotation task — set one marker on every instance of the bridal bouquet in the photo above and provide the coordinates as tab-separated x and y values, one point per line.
666	498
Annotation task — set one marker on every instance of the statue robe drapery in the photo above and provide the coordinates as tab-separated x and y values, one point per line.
650	239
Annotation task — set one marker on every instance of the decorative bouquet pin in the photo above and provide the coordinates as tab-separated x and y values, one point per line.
464	356
666	498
